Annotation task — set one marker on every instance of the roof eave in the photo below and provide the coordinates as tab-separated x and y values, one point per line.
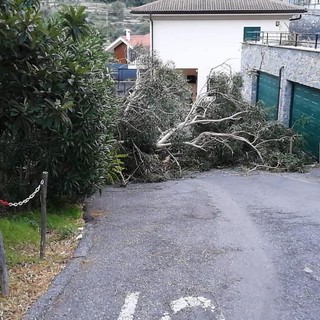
303	10
116	43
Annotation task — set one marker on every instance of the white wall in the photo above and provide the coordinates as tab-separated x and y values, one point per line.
204	44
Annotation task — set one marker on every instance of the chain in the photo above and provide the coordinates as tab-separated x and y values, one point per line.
26	200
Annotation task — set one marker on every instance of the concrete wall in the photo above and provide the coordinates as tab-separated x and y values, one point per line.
292	64
203	43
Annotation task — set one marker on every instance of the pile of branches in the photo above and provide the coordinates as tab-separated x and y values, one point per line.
165	134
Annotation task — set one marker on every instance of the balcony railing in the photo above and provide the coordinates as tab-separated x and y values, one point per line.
306	40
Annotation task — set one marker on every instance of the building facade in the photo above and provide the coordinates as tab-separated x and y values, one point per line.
201	35
285	80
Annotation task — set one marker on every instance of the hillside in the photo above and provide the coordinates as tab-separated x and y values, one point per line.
113	17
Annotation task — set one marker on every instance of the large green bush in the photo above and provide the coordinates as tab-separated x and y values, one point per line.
56	102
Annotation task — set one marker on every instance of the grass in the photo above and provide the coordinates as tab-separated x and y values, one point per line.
28	275
21	236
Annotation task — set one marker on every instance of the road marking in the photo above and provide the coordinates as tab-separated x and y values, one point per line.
129	307
191	302
166	317
131	301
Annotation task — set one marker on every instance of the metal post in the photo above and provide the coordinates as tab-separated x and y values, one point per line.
280	38
316	45
4	279
296	40
43	219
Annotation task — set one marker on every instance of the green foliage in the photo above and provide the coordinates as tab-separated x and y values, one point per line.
287	161
21	232
117	9
16	232
74	22
115	166
159	100
56	102
162	97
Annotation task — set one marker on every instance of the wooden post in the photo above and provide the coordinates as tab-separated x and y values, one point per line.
43	217
4	279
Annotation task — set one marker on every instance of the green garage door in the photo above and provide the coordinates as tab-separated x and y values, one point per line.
267	94
305	116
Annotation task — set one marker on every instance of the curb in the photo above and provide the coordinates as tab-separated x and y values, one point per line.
44	302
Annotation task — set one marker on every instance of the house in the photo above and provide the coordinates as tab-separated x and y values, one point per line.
124	50
200	35
282	72
123	47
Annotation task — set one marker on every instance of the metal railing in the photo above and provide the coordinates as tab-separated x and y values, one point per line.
306	40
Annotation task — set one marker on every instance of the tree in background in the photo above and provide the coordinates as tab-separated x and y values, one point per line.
56	102
117	9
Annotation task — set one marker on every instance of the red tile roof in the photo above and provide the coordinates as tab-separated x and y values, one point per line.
217	7
137	39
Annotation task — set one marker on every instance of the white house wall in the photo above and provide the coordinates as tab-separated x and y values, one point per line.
204	44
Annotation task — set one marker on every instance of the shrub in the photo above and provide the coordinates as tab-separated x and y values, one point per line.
56	102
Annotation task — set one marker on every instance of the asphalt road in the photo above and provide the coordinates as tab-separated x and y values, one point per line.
218	246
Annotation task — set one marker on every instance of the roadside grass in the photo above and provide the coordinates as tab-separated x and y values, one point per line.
28	275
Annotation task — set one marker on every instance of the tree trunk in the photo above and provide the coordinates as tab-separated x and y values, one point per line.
4	279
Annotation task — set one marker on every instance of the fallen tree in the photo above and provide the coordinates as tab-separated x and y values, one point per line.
164	133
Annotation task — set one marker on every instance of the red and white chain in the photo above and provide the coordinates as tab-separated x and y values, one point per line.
26	200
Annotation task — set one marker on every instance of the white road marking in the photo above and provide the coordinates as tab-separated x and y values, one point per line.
166	317
129	307
190	302
307	270
131	301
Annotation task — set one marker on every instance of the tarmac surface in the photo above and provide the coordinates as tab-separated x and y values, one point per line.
220	245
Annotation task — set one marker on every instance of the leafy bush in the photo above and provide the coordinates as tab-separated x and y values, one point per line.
56	102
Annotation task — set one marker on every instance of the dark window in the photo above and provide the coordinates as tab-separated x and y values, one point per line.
192	79
251	33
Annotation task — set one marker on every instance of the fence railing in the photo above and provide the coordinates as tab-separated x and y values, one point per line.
305	40
4	279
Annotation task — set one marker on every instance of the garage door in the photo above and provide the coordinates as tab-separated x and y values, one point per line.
305	116
267	94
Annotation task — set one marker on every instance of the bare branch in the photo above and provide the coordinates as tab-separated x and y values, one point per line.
167	135
175	160
226	135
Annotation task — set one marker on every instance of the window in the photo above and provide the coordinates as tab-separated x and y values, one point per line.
251	33
191	79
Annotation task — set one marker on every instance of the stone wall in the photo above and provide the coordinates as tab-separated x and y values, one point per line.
309	23
292	64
